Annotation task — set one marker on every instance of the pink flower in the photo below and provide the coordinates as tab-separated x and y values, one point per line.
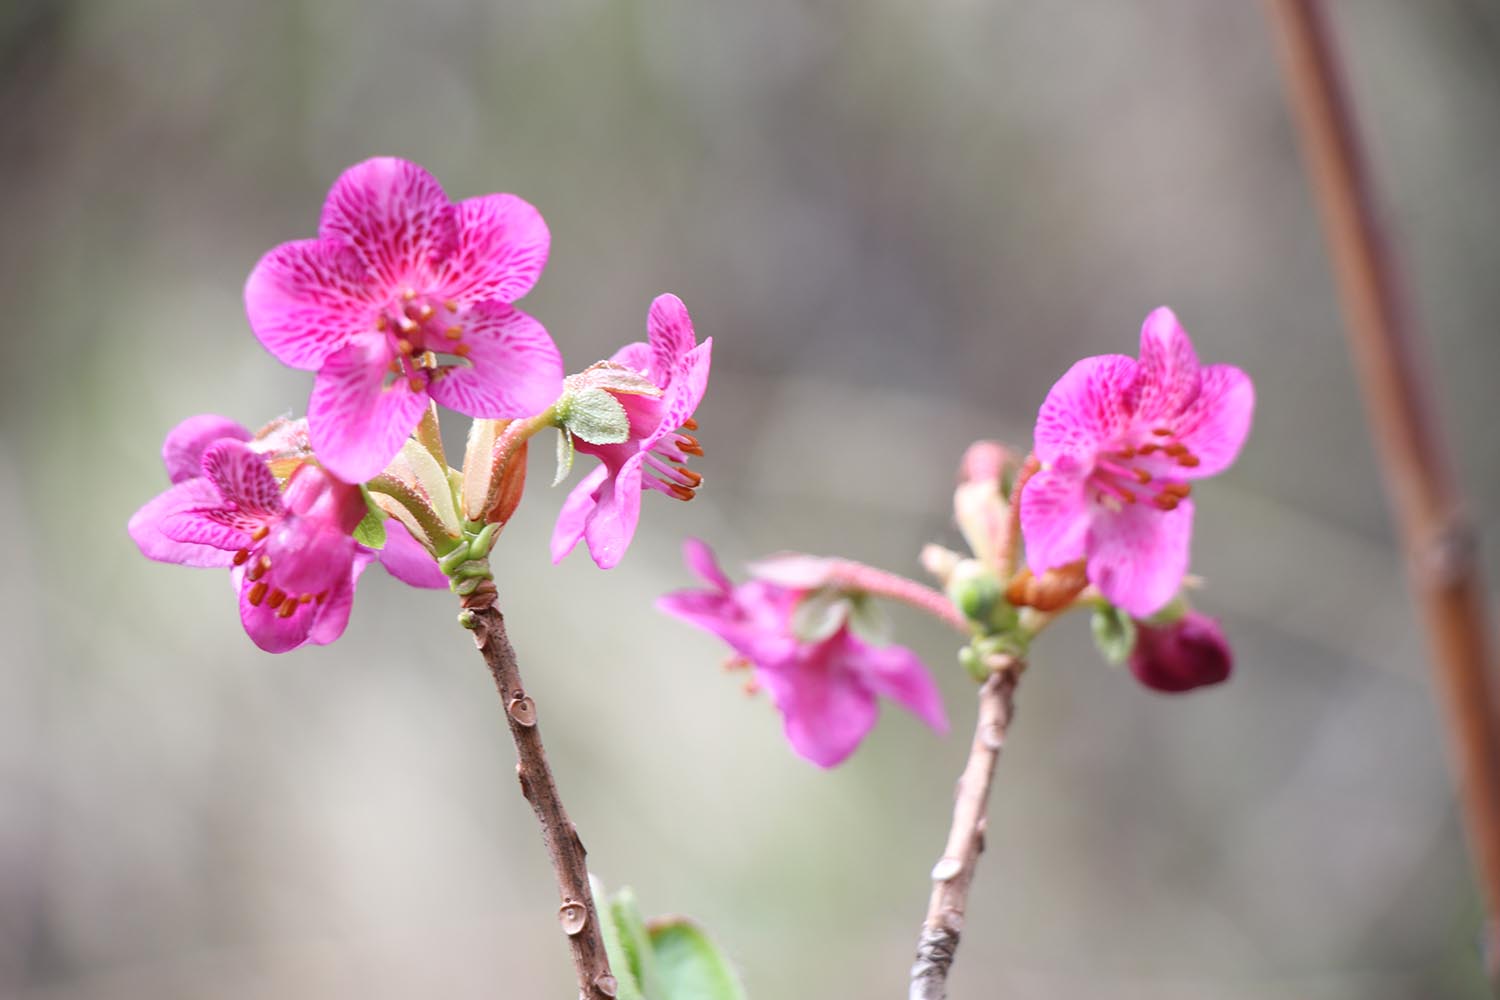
1118	440
404	295
824	689
605	506
1190	652
293	558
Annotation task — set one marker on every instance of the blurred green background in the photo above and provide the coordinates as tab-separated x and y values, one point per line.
900	222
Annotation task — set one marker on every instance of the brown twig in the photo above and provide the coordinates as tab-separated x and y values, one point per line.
954	871
1439	541
577	914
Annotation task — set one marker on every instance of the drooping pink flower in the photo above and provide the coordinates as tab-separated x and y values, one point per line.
826	688
605	506
1188	653
293	558
1119	439
404	295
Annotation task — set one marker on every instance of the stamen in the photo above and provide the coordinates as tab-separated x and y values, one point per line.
403	345
322	596
1126	452
241	556
680	491
261	532
1142	476
425	313
1179	490
450	305
690	424
274	601
1149	448
406	324
416	383
462	350
454	332
1176	448
395	367
1162	431
257	594
409	294
689	444
381	322
287	609
1188	460
1165	501
693	479
305	599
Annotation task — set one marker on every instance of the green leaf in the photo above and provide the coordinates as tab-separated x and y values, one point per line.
692	967
564	455
614	947
1114	633
370	532
640	959
596	416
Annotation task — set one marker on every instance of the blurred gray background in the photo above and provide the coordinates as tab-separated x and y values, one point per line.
900	222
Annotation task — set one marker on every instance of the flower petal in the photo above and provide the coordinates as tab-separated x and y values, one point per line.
404	558
827	711
700	559
1054	520
306	299
575	513
685	392
146	526
503	244
1089	408
896	673
334	616
611	525
635	356
669	329
1216	423
356	423
265	626
182	452
243	478
515	368
395	217
1169	367
1137	556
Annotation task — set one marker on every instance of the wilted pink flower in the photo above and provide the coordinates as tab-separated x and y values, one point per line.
1118	439
403	296
1190	652
606	505
824	689
293	557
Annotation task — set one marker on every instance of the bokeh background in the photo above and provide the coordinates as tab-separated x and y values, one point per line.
899	222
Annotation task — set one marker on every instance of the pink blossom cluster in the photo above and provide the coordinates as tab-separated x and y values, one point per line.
403	299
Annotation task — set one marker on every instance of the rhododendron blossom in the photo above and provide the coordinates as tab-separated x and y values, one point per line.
292	554
401	297
825	688
1188	653
1118	440
605	506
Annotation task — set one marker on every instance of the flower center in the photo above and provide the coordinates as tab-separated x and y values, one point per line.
422	330
263	588
667	462
1144	471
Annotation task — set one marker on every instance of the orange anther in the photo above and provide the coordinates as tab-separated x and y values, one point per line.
689	444
681	492
1176	448
305	599
1189	460
1162	431
1180	490
693	478
454	332
261	532
1126	496
276	597
416	383
1165	501
241	556
409	294
257	594
403	345
287	609
1142	476
450	305
462	350
690	424
425	313
1149	449
381	322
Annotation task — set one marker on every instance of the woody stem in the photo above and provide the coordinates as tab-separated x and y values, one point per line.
577	913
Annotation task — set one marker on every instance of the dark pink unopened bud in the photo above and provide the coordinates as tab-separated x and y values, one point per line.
1190	652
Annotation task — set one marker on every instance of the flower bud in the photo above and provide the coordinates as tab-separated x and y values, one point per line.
1191	652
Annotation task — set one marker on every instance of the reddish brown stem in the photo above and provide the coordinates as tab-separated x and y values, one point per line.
577	914
893	586
954	871
1439	541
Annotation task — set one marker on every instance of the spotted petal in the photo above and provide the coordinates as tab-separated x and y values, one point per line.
1216	423
182	452
515	368
1169	367
1089	408
1054	520
395	217
355	422
146	526
669	330
306	299
503	244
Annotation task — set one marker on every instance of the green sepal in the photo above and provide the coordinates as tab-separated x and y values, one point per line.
1114	633
564	455
1172	613
370	531
692	966
820	614
596	416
